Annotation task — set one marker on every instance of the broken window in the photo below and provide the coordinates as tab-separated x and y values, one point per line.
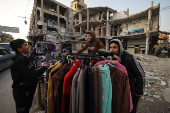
62	22
51	6
51	18
38	3
39	26
62	11
111	31
38	14
100	15
104	17
99	31
104	32
115	31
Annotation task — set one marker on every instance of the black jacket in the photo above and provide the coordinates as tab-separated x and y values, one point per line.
23	72
135	73
134	69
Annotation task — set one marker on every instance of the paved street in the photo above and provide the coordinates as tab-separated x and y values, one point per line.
7	104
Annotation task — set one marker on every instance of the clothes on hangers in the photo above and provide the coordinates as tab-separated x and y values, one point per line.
118	65
80	94
39	48
97	88
57	89
50	83
73	94
106	89
86	89
123	69
67	86
52	48
120	91
90	100
46	85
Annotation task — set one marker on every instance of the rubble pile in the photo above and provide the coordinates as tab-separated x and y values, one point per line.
157	71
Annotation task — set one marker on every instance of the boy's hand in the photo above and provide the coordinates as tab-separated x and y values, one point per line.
117	58
75	52
97	54
47	65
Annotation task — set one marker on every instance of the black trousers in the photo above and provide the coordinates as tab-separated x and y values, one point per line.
23	99
135	100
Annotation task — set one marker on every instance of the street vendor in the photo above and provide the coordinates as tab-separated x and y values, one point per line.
134	70
92	44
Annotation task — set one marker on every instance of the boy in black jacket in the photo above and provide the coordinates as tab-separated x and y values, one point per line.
24	75
134	70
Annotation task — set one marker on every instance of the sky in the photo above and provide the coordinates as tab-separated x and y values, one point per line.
10	10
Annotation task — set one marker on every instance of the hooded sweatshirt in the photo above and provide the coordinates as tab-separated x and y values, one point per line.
23	72
134	69
93	46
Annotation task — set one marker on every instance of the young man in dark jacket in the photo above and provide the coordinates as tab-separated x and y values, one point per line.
134	70
24	75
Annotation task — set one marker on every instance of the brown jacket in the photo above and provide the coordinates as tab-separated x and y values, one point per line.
120	91
93	46
57	89
97	88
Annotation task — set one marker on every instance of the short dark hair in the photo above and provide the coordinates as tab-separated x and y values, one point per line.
17	44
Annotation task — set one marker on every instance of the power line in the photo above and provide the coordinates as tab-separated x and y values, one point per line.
165	8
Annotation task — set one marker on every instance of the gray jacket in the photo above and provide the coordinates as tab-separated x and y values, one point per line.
80	96
73	93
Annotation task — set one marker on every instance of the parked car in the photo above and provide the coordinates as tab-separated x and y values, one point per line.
6	45
5	58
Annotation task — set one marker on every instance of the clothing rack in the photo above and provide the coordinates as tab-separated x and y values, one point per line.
85	56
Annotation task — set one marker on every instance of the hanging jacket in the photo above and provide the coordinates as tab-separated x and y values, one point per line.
93	46
90	101
123	69
67	86
80	94
73	102
57	89
106	89
97	88
46	85
23	72
134	70
120	91
49	85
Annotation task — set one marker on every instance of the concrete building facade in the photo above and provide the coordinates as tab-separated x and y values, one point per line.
51	21
138	32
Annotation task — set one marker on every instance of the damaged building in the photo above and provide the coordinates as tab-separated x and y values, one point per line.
51	21
138	32
55	22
